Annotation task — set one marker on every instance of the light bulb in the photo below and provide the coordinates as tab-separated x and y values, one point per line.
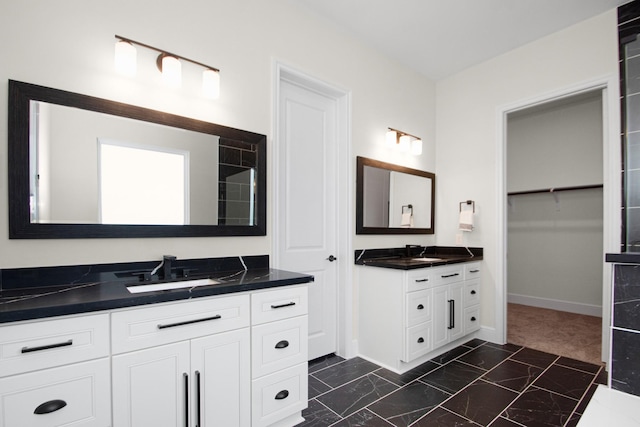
416	147
211	83
171	71
125	58
405	143
391	138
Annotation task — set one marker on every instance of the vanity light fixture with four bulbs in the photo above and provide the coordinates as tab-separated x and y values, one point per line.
404	142
168	63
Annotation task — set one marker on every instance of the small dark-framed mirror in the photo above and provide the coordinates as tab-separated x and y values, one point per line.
58	190
393	199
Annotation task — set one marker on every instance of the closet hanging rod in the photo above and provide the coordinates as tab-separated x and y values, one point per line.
553	190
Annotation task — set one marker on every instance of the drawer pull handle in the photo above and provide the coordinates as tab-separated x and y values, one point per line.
50	406
452	318
185	377
473	319
189	322
282	395
198	409
420	340
283	344
420	307
289	304
421	280
474	271
46	347
450	275
473	292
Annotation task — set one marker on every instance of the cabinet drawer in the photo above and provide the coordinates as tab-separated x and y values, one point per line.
78	395
448	274
471	319
166	323
271	305
44	344
418	279
471	293
418	307
472	270
279	395
278	345
417	341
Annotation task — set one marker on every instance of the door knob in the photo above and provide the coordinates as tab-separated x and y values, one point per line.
332	258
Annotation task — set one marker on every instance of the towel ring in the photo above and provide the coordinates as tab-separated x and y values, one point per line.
468	202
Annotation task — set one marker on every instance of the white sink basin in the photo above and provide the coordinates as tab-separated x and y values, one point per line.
426	259
135	289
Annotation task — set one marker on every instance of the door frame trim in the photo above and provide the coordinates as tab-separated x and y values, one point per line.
611	151
344	208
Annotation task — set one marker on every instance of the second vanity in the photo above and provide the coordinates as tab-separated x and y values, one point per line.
93	354
415	303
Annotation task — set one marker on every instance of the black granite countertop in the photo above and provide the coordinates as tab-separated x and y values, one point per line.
36	293
623	258
416	256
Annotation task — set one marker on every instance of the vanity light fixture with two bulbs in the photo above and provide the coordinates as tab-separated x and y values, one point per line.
404	142
168	63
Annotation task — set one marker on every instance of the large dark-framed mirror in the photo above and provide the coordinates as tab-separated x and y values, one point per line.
86	167
393	199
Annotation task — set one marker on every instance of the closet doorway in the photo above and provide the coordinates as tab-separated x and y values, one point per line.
554	184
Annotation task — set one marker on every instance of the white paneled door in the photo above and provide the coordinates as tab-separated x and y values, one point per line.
306	203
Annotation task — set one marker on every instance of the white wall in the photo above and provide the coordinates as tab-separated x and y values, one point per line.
468	136
69	45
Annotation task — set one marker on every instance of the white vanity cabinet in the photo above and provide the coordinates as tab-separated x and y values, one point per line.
406	315
279	335
55	372
182	364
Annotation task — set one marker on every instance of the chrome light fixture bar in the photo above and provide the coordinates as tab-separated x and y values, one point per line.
403	141
168	63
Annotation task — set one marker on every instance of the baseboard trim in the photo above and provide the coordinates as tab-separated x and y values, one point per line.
553	304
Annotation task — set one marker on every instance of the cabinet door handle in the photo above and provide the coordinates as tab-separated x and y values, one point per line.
288	304
189	322
474	271
420	307
50	406
421	280
185	377
46	347
282	344
450	275
473	292
420	340
473	319
282	395
197	398
452	307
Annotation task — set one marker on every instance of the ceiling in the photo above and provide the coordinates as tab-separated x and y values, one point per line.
439	38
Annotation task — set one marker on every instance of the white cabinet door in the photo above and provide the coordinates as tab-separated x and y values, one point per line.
149	386
220	366
440	316
456	329
447	314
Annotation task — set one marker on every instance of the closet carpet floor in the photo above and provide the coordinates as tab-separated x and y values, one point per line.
475	384
559	332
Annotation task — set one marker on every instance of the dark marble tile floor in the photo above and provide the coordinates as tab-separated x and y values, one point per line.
475	384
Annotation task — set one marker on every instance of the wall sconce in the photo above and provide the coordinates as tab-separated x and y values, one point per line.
168	63
404	142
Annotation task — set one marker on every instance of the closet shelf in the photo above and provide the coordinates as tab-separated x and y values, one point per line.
554	190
